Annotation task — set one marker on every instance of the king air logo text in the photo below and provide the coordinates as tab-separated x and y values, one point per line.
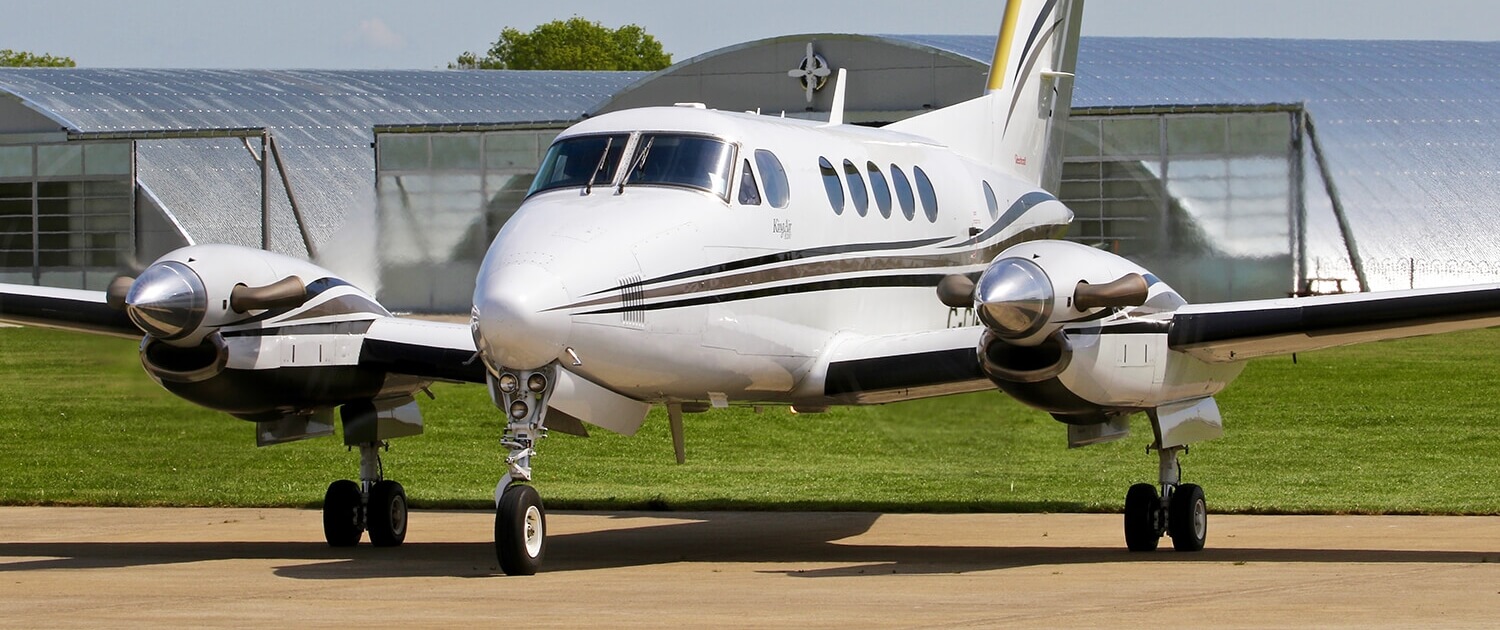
782	228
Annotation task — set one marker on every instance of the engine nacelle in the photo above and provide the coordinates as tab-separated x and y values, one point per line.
255	334
1033	289
190	293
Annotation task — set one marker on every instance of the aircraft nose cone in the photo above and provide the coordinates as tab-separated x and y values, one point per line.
168	300
513	321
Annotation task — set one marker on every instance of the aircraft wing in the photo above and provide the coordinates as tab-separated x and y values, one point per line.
65	309
1236	331
873	370
438	350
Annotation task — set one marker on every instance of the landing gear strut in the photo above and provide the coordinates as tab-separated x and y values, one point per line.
375	504
520	518
1179	511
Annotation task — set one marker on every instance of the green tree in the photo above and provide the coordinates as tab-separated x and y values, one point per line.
574	44
22	59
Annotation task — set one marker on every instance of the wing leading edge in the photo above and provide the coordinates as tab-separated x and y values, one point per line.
1236	331
64	309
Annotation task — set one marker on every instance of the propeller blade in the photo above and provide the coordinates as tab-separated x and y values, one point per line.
284	293
1129	290
114	296
956	291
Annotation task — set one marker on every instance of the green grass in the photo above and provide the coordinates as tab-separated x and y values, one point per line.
1395	427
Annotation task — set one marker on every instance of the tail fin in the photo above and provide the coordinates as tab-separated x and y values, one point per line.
1028	95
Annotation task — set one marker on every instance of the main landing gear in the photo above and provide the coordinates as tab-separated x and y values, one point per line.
520	518
1179	512
375	504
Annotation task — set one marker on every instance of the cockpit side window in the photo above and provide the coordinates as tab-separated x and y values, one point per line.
575	162
749	192
778	192
668	159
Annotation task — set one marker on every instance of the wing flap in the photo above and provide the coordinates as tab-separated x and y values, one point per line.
64	309
1237	331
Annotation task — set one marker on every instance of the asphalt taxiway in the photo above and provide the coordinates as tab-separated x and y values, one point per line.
264	567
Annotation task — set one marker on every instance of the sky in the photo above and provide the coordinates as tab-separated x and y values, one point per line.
360	34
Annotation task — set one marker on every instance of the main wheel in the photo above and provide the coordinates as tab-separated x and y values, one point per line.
1142	510
341	526
1187	518
520	530
387	514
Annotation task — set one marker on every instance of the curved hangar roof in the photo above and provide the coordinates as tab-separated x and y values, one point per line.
322	121
1408	127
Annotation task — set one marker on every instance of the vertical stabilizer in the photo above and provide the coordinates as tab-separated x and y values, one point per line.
1027	97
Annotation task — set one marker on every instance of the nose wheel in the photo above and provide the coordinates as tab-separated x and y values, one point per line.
1180	511
520	518
520	530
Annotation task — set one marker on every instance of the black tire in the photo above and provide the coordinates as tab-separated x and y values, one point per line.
1187	518
520	530
1142	516
341	523
387	514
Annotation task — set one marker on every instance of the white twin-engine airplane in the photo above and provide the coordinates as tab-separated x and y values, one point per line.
694	258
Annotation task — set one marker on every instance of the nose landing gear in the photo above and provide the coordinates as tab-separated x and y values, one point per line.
520	517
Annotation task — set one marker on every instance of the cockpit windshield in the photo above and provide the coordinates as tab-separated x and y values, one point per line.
580	161
668	159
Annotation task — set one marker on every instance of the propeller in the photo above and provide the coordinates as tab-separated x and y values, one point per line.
813	72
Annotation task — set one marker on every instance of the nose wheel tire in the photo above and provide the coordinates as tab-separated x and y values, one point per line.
387	514
1187	518
520	530
341	523
1142	518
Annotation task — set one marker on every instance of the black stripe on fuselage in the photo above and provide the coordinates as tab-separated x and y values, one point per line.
866	282
1190	329
871	264
906	371
1011	215
780	257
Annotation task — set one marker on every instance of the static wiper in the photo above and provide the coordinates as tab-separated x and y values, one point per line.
638	162
603	157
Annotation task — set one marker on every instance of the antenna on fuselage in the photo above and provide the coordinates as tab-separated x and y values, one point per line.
836	114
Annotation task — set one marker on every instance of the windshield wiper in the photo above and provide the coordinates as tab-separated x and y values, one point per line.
603	157
638	162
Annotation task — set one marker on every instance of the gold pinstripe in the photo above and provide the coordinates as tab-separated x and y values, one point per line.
1002	49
